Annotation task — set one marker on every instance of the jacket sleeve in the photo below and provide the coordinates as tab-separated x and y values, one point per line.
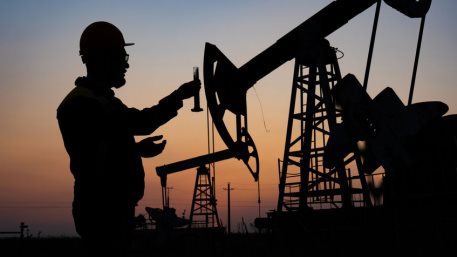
146	121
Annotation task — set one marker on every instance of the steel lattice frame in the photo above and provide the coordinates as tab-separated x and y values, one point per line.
203	211
304	181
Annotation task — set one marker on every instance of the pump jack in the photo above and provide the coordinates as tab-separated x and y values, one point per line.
226	87
333	113
337	114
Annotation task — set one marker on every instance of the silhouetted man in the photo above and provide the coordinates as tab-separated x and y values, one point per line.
98	132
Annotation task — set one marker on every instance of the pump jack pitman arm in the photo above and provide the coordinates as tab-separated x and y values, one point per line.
226	85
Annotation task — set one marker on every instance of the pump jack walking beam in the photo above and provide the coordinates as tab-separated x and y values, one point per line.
163	171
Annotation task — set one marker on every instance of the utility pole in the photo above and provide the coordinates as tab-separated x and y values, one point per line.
228	207
168	195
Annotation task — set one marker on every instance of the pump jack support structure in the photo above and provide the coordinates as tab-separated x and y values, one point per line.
304	180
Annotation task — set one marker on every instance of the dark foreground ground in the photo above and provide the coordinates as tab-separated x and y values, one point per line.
180	244
239	245
366	232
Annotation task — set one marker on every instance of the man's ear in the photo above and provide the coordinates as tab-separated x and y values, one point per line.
83	57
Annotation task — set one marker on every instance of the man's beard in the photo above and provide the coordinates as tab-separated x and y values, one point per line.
119	82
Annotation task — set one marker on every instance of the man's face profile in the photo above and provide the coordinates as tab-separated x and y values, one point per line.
110	66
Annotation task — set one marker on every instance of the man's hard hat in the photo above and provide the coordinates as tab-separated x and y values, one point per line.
101	35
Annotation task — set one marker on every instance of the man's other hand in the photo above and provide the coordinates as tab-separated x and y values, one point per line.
149	148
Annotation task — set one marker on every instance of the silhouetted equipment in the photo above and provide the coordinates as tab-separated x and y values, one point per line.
197	107
411	8
384	124
226	87
163	171
304	180
337	139
23	231
203	213
204	200
338	136
166	218
419	166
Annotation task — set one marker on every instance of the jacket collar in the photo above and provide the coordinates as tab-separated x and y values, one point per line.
96	88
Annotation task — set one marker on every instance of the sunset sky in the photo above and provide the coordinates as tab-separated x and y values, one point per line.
39	62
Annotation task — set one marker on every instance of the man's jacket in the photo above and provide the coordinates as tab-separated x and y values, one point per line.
98	132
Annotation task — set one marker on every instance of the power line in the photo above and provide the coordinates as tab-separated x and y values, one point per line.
36	207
